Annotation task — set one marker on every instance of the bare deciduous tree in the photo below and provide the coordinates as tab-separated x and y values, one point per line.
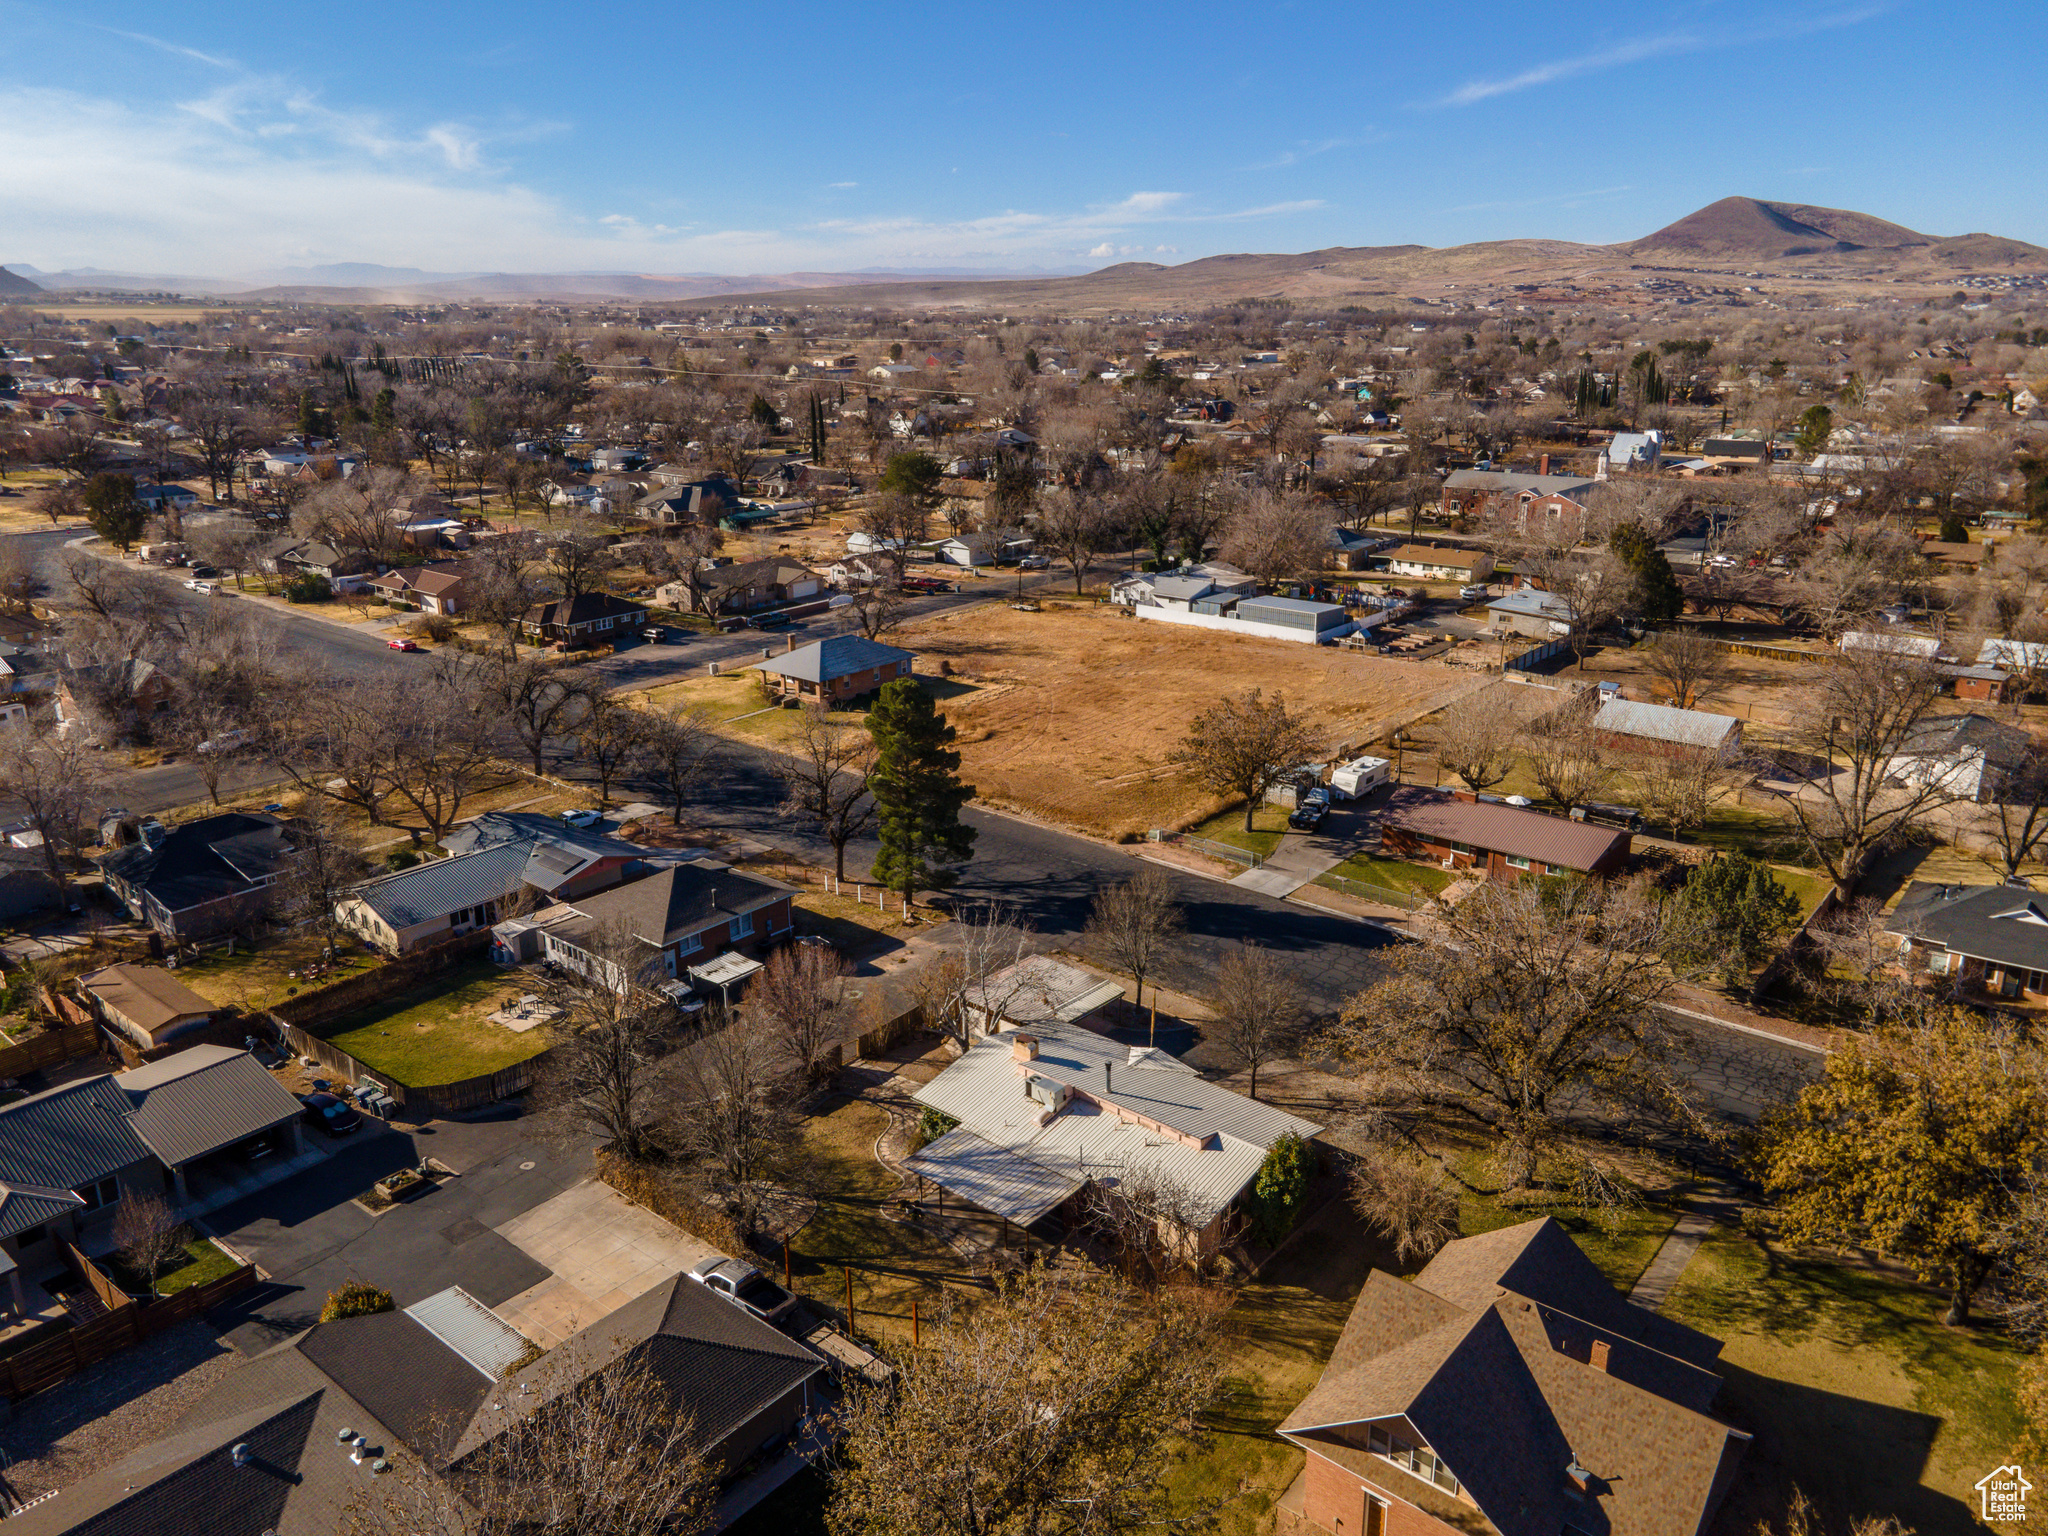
1408	1200
605	1073
52	779
1244	745
971	986
322	870
799	995
1277	537
1074	527
1537	1004
148	1235
1857	713
1567	757
1259	1009
1679	790
1135	923
1151	1219
824	773
735	1103
1476	737
1059	1404
675	749
1694	669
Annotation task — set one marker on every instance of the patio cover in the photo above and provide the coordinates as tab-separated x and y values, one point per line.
1000	1182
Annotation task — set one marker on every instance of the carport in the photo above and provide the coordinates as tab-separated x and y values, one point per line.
991	1179
204	1102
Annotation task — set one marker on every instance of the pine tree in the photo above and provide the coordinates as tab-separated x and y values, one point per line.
918	793
1659	598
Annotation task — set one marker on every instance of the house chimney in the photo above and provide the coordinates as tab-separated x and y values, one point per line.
1543	464
1596	1355
1105	1079
789	644
1469	796
1024	1048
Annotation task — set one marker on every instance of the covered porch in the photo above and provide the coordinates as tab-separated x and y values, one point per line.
994	1191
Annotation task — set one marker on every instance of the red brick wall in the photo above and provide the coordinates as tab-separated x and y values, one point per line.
1330	1495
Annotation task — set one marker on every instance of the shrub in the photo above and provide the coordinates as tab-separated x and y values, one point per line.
932	1124
354	1298
308	589
1280	1188
438	627
660	1188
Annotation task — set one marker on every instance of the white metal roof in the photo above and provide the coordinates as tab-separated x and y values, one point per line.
471	1329
1661	722
1214	1142
998	1181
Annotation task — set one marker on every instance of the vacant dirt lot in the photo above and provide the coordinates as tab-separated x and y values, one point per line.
1074	711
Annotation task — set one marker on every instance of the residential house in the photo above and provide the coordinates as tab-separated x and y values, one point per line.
1183	588
970	550
1635	450
591	618
430	588
1740	451
314	558
1967	558
446	898
688	502
355	1422
166	498
1965	755
202	878
70	1155
1673	732
1350	549
111	701
681	915
852	573
145	1002
1039	990
1047	1111
1495	495
1459	831
1532	613
753	585
1431	562
1988	938
835	669
1510	1388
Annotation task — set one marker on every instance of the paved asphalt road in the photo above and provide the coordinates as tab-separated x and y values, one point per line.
309	1235
1050	877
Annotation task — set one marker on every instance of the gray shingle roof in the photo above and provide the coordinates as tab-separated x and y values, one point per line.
837	656
2003	746
719	1362
1511	480
669	903
205	860
1999	923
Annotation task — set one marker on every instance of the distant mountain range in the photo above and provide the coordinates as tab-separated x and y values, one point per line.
1735	236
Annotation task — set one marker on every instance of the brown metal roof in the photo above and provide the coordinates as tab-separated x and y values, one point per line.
146	995
1507	829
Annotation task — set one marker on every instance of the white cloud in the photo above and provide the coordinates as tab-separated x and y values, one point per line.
841	186
178	49
256	171
1729	34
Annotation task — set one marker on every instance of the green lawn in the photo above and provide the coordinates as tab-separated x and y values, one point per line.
1269	825
1809	888
261	978
1397	874
1855	1390
891	1261
202	1262
438	1032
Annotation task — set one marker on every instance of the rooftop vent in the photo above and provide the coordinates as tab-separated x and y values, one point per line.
241	1455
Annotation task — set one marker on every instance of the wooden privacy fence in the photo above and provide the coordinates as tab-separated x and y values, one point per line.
111	1296
421	1101
388	980
873	1041
47	1050
74	1349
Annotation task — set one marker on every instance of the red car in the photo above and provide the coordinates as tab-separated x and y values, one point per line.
402	645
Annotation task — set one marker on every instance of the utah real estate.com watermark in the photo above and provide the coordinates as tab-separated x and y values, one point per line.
2004	1494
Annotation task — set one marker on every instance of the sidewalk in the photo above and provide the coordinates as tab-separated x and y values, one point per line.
1293	864
1703	1213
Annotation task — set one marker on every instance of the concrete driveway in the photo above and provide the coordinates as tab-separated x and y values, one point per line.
601	1249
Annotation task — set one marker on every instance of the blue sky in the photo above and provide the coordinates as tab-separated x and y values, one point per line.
225	137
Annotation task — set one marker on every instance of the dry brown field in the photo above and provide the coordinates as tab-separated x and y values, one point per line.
1072	713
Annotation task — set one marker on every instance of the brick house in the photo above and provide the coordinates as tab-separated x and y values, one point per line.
1460	831
429	588
1510	1388
593	618
835	669
1431	562
684	914
1990	941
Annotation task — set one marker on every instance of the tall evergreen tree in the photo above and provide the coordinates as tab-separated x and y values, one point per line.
918	793
1658	597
